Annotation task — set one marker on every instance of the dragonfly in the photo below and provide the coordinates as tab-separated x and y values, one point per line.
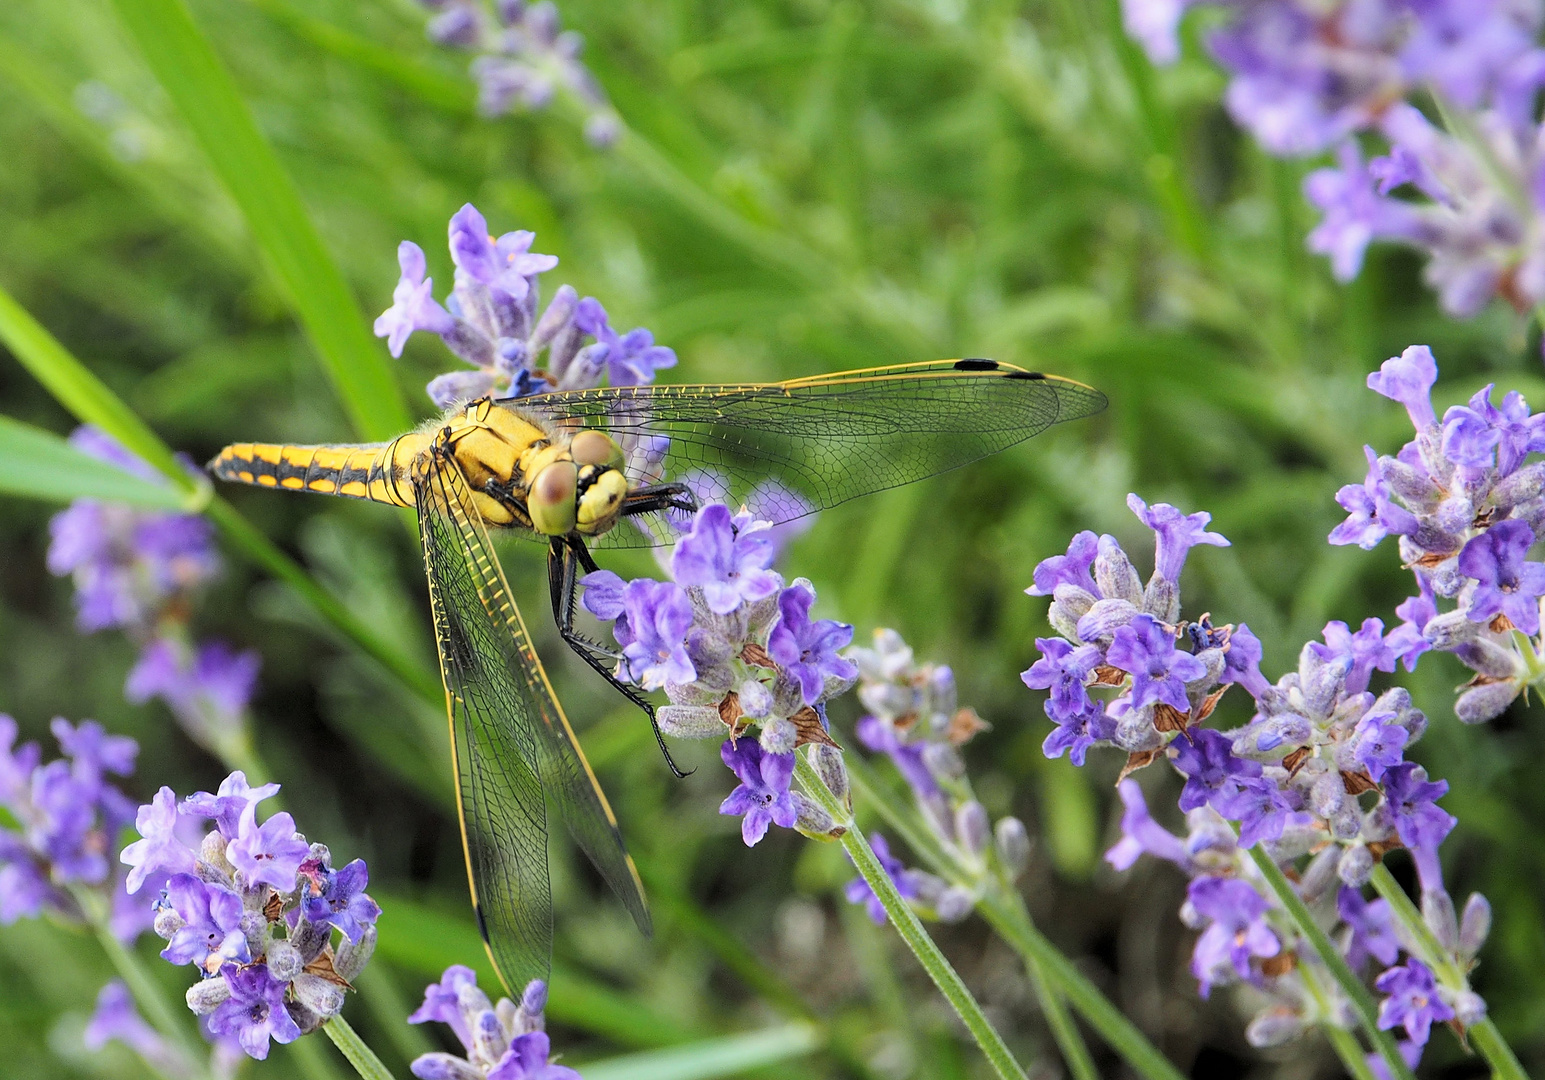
616	467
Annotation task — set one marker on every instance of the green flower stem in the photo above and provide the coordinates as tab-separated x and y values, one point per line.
1005	912
1350	1051
911	930
147	995
1362	1001
364	1059
1069	1041
1484	1035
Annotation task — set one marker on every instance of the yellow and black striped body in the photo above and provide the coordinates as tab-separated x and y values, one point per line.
357	471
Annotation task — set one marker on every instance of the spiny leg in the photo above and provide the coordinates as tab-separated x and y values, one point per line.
653	497
563	557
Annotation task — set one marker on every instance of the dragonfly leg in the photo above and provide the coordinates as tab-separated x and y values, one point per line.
652	497
564	557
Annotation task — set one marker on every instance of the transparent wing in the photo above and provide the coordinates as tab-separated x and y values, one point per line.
511	741
795	447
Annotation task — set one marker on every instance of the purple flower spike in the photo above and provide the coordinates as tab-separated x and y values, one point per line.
806	651
1213	773
1140	833
1378	744
1481	435
1408	379
1159	671
343	902
858	891
1372	926
631	358
1356	211
270	852
1366	650
763	795
1372	514
255	1011
93	751
880	737
212	934
1069	569
658	615
1063	669
526	1059
413	304
1237	934
729	564
1176	534
1419	822
504	264
1505	583
159	854
442	1002
1413	1002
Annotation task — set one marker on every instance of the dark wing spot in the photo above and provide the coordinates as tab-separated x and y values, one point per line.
976	364
482	923
1023	375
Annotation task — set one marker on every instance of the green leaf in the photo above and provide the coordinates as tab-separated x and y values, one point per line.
710	1058
41	465
203	91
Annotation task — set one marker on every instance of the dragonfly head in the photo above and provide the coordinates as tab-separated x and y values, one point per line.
583	493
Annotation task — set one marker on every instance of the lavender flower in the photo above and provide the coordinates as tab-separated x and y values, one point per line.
1159	672
763	797
727	559
1237	932
807	650
502	1042
492	320
1505	585
1413	1002
858	891
254	907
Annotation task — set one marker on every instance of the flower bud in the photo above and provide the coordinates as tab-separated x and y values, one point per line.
943	761
442	1066
1328	795
254	924
1469	1007
1104	619
1438	914
1063	621
1321	681
755	699
1474	925
489	1041
1075	600
1161	599
1273	1027
1013	844
1114	573
953	904
167	923
310	939
813	820
352	956
1489	658
832	769
936	811
212	851
689	721
1451	628
207	995
533	1003
1135	731
972	827
321	996
1355	866
1522	486
1347	824
778	735
470	1001
1214	660
284	962
1486	702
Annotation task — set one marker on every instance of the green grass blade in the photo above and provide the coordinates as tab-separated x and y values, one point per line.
41	465
711	1058
207	98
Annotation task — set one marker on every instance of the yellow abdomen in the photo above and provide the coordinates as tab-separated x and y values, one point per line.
380	472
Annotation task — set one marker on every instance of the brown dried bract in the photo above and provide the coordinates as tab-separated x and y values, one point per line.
322	968
964	726
1209	703
1140	760
1284	962
1431	559
1500	623
808	723
1357	782
1169	718
734	719
757	656
273	907
1105	675
1380	848
1295	761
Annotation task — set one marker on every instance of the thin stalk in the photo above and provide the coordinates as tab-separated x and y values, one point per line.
348	1042
1075	1053
1350	1051
1005	912
1362	1001
1483	1035
911	929
147	995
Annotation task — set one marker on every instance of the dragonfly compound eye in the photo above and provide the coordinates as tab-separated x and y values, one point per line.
550	500
601	502
596	448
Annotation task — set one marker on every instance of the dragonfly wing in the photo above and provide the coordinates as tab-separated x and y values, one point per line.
823	440
512	742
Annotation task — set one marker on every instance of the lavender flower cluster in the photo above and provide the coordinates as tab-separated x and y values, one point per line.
1317	774
1308	76
67	813
491	321
253	907
733	647
914	717
1467	504
503	1041
522	59
141	571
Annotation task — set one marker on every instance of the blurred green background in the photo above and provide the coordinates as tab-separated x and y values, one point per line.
805	187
